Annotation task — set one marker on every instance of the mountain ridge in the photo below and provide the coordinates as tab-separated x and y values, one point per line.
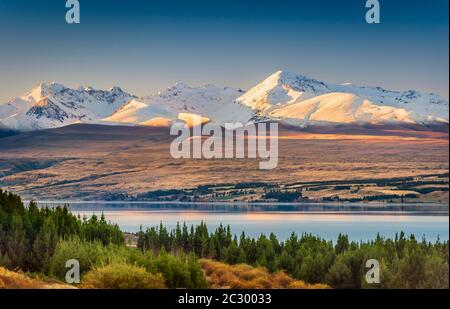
286	97
54	105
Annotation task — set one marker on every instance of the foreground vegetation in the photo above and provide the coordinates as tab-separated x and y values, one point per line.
19	280
242	276
40	241
405	262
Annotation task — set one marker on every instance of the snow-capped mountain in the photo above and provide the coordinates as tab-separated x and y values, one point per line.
281	89
54	105
300	100
177	102
289	98
286	97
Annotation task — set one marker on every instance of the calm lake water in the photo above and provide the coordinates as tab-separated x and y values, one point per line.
361	223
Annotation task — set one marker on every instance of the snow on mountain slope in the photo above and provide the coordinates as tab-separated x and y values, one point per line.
280	89
300	100
339	107
214	103
51	106
283	96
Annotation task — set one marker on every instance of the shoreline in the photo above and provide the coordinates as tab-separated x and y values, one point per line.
438	209
240	203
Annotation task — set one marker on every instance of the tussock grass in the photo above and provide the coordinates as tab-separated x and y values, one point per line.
122	276
18	280
242	276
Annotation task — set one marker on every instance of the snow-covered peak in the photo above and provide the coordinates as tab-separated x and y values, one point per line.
85	88
55	87
116	89
44	89
54	105
35	94
216	103
185	90
283	96
179	86
287	95
298	82
280	88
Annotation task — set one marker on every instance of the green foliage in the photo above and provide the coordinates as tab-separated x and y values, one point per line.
122	276
42	240
283	196
89	254
28	235
154	195
405	262
340	274
178	271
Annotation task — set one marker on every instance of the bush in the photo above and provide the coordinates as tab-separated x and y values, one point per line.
339	275
122	276
89	254
283	197
180	271
28	235
242	276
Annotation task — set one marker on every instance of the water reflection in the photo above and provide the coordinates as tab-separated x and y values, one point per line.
359	222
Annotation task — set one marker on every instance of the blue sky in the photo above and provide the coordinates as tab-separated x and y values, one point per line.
146	46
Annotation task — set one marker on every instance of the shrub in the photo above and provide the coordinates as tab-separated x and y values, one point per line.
180	271
122	276
89	254
19	280
28	235
242	276
339	275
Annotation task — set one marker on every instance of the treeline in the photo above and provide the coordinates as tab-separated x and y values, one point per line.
176	271
28	235
405	261
283	196
372	198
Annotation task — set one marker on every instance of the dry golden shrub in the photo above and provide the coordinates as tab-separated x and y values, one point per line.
281	279
241	276
18	280
122	276
302	285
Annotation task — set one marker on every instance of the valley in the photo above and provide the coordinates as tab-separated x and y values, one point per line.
58	143
94	162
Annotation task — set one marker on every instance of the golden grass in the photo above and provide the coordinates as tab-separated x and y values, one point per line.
241	276
18	280
217	274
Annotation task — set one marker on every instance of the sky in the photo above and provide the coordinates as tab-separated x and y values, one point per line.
146	46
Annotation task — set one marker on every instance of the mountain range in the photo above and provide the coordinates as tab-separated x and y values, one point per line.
285	97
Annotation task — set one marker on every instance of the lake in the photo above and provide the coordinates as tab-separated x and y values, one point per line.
359	222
